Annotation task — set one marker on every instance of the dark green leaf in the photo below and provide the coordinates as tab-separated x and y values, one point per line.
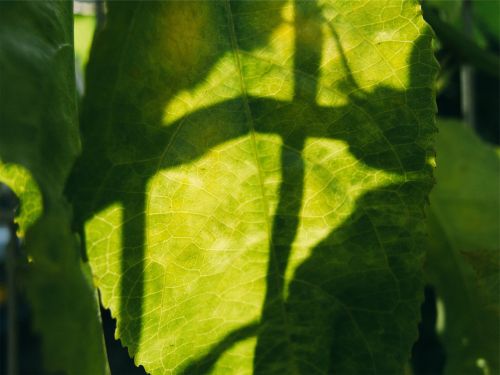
38	144
464	246
487	14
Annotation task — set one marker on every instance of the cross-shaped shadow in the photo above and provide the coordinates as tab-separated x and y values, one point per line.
360	279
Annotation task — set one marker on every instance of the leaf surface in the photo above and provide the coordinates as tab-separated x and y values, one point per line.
38	145
253	180
464	244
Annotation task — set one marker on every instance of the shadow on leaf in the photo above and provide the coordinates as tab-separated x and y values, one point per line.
351	304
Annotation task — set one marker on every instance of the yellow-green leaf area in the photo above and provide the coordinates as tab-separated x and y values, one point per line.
21	182
253	184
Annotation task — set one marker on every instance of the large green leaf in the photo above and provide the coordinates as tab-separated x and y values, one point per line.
253	180
463	257
38	145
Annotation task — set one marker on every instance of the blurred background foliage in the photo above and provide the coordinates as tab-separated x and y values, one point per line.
460	329
485	17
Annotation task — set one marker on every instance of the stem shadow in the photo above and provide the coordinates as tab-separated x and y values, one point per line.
310	322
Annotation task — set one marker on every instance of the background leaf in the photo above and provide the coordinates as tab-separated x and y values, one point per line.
84	30
464	244
484	13
38	144
253	179
487	14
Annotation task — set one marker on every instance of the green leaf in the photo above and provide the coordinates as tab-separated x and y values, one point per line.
253	179
487	14
464	245
38	145
84	31
63	298
486	264
21	182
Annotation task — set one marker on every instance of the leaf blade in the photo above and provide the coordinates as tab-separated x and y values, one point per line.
39	141
463	226
232	156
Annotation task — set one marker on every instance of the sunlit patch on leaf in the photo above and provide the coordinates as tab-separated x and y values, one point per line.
105	226
21	182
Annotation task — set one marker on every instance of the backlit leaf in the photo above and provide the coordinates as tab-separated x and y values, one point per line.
253	180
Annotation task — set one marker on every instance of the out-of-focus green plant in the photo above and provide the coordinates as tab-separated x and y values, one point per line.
84	32
463	257
465	48
39	141
485	15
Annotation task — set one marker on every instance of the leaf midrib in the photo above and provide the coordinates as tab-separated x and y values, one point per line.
244	96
